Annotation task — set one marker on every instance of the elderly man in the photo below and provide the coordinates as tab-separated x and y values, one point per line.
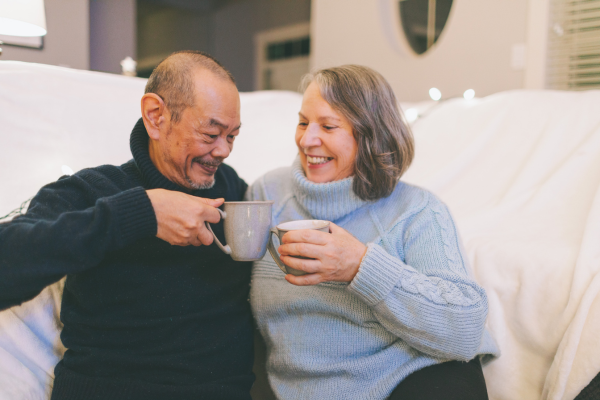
145	315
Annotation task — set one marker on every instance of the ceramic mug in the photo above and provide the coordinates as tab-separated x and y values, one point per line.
246	225
282	229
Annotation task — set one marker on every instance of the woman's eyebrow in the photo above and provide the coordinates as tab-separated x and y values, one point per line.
326	118
332	119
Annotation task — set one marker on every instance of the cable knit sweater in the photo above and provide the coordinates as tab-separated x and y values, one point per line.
411	305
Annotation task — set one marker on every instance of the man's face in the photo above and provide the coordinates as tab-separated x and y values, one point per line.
193	148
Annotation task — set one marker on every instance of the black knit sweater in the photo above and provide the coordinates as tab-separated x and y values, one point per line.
142	319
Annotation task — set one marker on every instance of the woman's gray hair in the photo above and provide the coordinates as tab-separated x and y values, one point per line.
385	142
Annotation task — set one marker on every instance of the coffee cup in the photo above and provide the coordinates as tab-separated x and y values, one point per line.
284	228
246	225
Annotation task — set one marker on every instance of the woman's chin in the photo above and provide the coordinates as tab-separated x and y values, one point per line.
319	176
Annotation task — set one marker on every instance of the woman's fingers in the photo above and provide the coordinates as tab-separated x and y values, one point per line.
301	249
304	280
306	236
309	266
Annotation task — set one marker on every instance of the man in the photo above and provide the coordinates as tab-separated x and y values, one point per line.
145	315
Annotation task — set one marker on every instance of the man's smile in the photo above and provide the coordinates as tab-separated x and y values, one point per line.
210	167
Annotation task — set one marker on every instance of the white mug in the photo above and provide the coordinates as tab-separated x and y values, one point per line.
246	225
285	227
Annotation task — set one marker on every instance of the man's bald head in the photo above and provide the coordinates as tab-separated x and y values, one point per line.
173	79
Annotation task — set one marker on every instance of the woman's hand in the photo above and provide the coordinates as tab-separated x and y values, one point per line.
336	255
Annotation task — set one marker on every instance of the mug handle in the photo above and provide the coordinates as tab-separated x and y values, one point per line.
226	249
274	253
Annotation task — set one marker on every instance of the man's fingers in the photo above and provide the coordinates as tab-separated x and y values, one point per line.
211	202
210	214
195	241
304	280
205	237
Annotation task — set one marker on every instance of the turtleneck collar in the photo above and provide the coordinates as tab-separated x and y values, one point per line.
152	177
329	201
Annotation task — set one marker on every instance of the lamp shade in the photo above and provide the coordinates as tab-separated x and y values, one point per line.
22	18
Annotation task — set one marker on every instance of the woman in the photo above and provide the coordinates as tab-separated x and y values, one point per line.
387	308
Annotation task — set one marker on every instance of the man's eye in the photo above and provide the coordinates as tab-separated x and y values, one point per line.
302	124
231	138
211	137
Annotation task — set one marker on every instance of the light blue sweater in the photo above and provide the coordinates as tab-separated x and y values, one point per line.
411	305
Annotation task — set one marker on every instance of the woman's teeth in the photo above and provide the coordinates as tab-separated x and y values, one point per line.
317	160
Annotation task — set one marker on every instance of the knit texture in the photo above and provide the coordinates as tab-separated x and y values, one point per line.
142	319
411	305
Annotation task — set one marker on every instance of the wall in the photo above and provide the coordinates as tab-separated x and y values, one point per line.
112	33
236	25
162	30
67	41
474	50
226	31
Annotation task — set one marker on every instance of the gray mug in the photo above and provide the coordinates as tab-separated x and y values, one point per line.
282	229
246	225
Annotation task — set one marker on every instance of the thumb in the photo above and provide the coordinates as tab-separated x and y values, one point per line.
212	202
334	229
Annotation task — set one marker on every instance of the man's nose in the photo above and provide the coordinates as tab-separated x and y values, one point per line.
222	148
311	137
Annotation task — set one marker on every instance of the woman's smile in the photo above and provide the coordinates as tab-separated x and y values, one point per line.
317	161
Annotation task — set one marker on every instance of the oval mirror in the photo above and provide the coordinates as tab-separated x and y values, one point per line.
423	21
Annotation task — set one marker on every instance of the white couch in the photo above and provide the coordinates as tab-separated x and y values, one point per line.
519	170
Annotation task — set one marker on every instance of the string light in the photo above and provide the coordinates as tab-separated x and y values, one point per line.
435	94
412	114
66	170
469	94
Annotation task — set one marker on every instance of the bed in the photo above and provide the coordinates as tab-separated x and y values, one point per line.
520	171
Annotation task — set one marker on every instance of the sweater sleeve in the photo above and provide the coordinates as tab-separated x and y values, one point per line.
57	236
428	299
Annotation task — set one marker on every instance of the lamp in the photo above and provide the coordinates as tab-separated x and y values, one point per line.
22	18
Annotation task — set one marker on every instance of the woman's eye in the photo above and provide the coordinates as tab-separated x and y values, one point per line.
302	124
329	127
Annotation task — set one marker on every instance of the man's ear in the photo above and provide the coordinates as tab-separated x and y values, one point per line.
154	114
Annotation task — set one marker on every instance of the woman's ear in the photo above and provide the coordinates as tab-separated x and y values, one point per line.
154	114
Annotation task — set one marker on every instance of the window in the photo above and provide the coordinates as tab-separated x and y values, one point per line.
574	45
288	49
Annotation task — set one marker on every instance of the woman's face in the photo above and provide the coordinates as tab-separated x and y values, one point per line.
325	140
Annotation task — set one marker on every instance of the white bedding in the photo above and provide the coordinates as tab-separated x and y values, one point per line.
521	173
519	170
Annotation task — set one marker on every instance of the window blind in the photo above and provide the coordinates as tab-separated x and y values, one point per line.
574	45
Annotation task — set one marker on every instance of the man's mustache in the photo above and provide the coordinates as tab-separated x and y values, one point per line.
212	162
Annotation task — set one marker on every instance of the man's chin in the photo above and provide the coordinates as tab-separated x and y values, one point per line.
205	184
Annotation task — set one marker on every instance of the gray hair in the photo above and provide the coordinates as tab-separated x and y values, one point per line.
385	142
172	79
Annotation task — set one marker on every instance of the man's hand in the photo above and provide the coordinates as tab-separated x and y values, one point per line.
181	217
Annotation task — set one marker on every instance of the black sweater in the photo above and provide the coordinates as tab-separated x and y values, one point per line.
142	319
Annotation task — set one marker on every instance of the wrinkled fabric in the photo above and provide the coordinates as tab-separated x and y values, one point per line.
520	171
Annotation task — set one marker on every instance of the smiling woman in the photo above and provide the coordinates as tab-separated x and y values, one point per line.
325	139
385	305
352	114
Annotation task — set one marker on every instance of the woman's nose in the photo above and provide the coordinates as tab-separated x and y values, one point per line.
311	137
